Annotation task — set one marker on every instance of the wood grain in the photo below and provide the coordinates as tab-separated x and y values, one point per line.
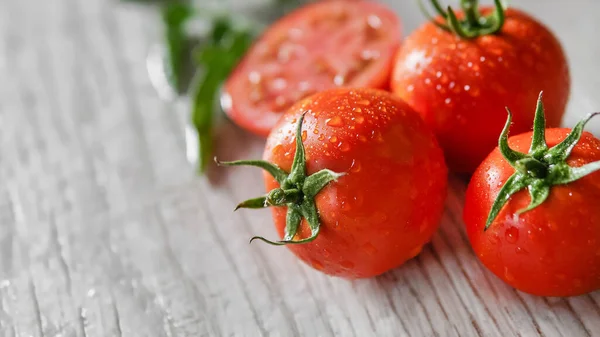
105	231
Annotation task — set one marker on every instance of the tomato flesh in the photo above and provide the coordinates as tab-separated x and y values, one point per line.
552	250
319	46
390	201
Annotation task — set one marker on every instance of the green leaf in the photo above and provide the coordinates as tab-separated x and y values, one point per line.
539	192
561	151
538	141
315	183
293	220
509	154
298	171
277	173
569	174
259	202
175	15
515	183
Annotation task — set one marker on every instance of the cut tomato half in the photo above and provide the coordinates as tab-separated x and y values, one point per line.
336	43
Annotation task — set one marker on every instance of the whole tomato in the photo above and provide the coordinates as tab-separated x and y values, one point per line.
365	175
459	76
540	210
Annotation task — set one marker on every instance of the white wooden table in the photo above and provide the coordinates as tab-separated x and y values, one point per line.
105	231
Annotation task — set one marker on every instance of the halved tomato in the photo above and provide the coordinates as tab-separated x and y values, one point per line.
328	44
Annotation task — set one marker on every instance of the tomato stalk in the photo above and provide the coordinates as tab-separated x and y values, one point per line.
297	192
474	24
542	167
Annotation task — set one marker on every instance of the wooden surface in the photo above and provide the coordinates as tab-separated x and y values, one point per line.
104	230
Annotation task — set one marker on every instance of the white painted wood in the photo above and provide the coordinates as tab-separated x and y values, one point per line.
105	231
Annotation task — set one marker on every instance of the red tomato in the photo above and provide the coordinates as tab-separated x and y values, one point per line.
390	201
552	250
461	86
319	46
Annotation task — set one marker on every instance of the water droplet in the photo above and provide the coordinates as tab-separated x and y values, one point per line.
316	131
254	77
344	147
356	166
521	251
370	249
364	102
333	139
512	234
507	275
304	135
470	64
374	21
438	87
359	119
482	59
317	265
326	252
415	251
451	85
362	138
279	84
438	74
321	137
467	87
428	81
339	80
357	109
334	121
447	100
410	88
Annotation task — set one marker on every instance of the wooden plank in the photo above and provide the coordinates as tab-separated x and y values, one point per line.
104	230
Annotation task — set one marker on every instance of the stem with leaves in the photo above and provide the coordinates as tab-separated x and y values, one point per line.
542	167
297	192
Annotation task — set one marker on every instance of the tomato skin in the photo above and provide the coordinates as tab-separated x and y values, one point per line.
389	203
319	42
552	250
461	87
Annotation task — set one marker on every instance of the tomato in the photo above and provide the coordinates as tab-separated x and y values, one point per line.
460	86
323	45
387	184
553	249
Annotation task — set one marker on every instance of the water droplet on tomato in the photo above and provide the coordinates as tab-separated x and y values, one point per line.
428	81
359	119
355	166
451	85
304	135
370	249
512	234
339	80
316	131
362	138
467	87
357	109
317	265
333	139
254	77
364	102
470	64
410	88
334	121
521	251
448	100
344	147
507	275
321	136
482	59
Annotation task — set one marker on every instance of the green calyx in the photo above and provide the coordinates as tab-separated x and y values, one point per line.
474	24
297	192
542	167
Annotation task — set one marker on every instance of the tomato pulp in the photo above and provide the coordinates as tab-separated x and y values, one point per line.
319	46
